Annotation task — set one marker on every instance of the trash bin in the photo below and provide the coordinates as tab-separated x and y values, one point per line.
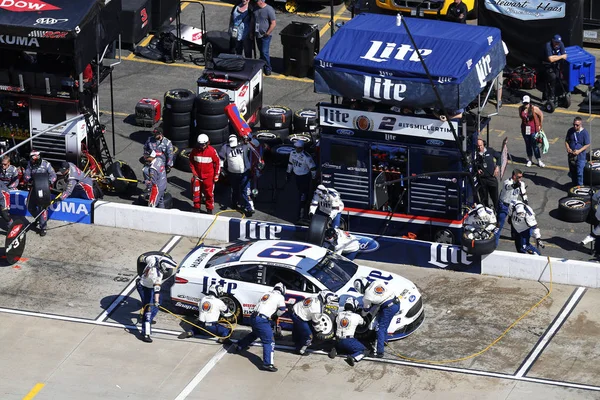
300	45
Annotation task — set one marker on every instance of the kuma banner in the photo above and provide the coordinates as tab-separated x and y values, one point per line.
527	25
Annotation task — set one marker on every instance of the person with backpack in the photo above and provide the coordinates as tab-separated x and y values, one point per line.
239	28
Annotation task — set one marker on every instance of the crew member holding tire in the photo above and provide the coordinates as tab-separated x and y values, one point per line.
512	189
155	178
38	166
302	165
210	308
236	161
481	217
149	286
303	312
206	167
162	146
341	242
79	185
271	303
9	174
377	294
524	225
346	323
327	201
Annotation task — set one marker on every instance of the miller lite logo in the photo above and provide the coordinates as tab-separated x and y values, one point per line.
265	297
26	6
377	54
363	123
206	306
344	322
377	89
484	68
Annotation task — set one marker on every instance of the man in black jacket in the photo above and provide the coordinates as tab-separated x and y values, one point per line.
457	12
487	171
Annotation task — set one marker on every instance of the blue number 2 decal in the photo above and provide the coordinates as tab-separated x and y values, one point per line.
283	250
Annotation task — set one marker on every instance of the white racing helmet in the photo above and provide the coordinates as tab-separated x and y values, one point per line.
361	284
202	139
233	141
216	290
351	304
280	287
326	296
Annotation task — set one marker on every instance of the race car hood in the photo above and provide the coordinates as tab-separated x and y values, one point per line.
196	260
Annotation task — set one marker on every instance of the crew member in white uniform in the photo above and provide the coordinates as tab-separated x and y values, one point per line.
596	230
149	286
524	225
210	309
341	242
347	321
481	217
302	165
235	160
327	201
513	189
270	303
305	311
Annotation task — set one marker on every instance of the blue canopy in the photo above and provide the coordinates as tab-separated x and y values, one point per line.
372	58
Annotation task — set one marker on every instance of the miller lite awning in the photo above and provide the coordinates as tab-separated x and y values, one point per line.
371	58
78	29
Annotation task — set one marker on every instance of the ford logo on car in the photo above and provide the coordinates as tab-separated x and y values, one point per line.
346	132
367	245
435	142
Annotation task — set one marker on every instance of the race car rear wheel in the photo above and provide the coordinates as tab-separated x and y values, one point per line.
234	308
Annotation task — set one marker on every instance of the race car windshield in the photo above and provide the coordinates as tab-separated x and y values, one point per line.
334	271
229	254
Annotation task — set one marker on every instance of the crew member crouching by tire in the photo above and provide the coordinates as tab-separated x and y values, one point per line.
524	225
327	202
79	185
149	286
303	312
347	321
341	242
155	178
210	308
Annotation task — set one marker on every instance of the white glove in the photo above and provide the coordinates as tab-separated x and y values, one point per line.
536	233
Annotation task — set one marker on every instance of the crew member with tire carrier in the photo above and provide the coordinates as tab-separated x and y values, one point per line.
236	161
9	174
341	242
524	225
377	293
79	185
309	309
149	286
302	165
346	323
162	146
271	303
38	166
512	188
206	166
327	201
210	308
155	178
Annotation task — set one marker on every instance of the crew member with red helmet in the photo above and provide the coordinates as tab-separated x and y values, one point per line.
205	165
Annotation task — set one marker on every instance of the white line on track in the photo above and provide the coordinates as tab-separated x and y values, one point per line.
543	342
167	247
203	372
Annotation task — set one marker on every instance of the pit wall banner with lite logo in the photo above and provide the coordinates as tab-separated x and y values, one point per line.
373	248
69	210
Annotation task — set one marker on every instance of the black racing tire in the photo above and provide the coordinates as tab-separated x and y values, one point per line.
305	137
174	119
316	230
268	137
167	200
39	194
120	169
582	191
548	107
141	263
327	323
280	154
275	117
591	173
479	242
574	209
179	100
183	160
305	120
215	136
177	133
234	307
60	185
212	122
594	154
565	100
211	102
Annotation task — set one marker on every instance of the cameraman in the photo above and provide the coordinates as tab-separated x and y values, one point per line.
512	189
487	171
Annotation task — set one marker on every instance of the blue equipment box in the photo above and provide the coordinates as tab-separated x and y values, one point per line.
579	68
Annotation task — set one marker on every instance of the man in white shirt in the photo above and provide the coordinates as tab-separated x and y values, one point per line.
302	165
328	202
235	158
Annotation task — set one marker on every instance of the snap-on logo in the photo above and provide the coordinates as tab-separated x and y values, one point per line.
26	6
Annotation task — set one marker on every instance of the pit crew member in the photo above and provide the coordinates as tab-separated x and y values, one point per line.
79	185
211	307
270	303
235	160
346	323
155	178
524	225
596	229
149	286
38	166
206	166
341	242
304	312
481	217
512	189
327	202
302	165
162	146
5	203
9	174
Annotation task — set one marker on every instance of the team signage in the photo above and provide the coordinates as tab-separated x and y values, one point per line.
69	210
527	10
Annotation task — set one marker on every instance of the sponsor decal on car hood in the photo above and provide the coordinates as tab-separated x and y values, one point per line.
197	259
398	282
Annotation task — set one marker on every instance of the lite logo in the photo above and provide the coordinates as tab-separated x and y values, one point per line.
332	116
250	230
484	68
443	255
228	287
377	54
377	89
26	6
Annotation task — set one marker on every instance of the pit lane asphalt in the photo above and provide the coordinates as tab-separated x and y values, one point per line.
68	312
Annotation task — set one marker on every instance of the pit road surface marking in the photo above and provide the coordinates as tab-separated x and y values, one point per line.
203	372
33	392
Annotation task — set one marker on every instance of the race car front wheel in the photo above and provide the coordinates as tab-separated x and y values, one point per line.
234	308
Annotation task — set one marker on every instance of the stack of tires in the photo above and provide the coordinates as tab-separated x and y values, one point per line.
177	116
305	128
274	133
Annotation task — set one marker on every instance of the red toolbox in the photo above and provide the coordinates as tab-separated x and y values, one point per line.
147	112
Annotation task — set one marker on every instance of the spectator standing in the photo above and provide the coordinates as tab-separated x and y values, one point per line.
577	142
263	22
555	52
236	161
513	190
206	166
239	28
488	171
532	119
457	12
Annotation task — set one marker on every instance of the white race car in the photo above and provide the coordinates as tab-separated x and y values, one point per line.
248	269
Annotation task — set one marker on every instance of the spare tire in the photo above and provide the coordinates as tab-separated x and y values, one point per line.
120	169
280	154
316	230
574	209
182	162
305	137
173	119
179	100
275	117
141	263
267	137
582	191
479	242
591	173
211	102
177	133
215	136
594	154
324	329
39	195
218	121
305	120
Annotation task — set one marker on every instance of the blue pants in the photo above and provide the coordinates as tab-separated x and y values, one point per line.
147	297
384	318
522	241
335	222
261	329
576	171
213	327
351	346
240	190
303	186
301	332
502	213
263	48
531	146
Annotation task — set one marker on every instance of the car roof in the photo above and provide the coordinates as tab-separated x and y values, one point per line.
301	255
